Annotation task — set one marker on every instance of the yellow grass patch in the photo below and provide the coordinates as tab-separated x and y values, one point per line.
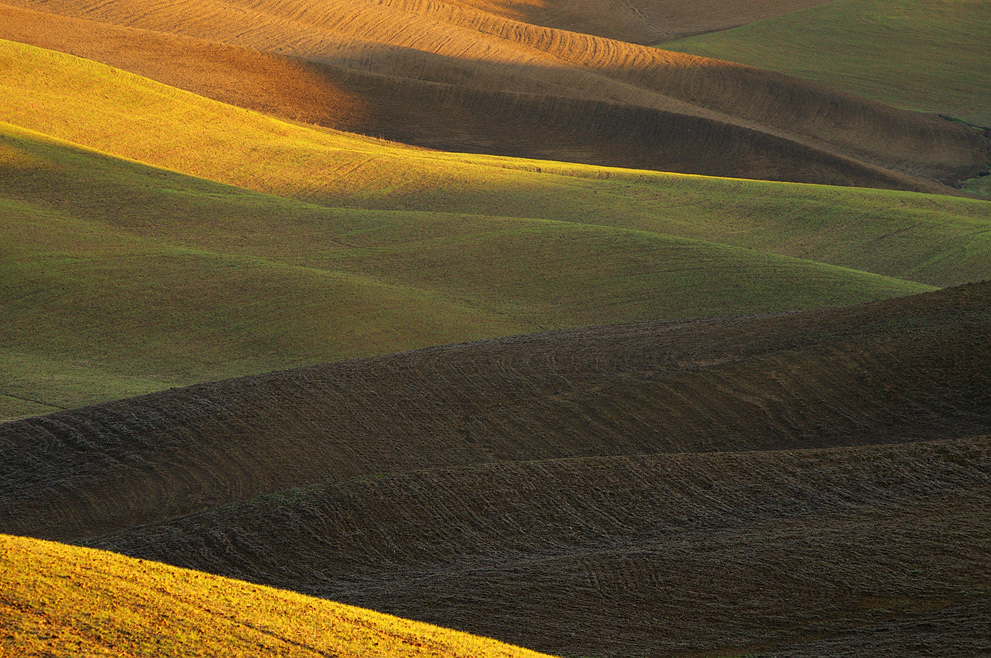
59	600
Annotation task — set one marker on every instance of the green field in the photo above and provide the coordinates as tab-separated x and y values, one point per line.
925	55
121	278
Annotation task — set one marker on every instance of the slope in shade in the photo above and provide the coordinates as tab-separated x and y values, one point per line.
913	368
484	84
65	601
731	553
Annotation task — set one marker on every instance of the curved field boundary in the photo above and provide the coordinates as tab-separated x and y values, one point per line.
742	109
62	600
908	369
122	279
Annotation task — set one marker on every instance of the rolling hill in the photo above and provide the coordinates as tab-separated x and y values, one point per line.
909	368
754	419
121	279
115	271
460	79
785	483
59	600
847	550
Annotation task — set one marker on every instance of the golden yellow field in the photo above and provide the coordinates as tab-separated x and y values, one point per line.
58	600
460	79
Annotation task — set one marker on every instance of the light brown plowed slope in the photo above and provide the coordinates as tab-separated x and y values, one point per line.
911	368
455	78
646	555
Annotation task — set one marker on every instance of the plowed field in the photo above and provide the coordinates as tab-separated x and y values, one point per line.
661	555
755	418
908	369
791	483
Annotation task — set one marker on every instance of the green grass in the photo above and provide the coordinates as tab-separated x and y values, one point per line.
117	278
60	600
980	185
926	55
859	229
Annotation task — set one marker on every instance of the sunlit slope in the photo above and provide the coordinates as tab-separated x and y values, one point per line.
925	55
121	279
927	239
458	79
265	82
709	554
911	368
62	600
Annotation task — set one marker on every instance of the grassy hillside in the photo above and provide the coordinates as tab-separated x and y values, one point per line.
172	129
911	368
120	279
926	55
688	554
456	78
65	601
114	271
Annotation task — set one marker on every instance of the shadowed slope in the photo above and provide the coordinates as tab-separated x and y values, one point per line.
912	368
459	79
60	600
685	554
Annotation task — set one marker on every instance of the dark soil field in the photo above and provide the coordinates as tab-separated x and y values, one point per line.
736	484
833	550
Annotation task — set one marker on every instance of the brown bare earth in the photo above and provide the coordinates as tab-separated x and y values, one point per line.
803	483
453	77
912	368
649	555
